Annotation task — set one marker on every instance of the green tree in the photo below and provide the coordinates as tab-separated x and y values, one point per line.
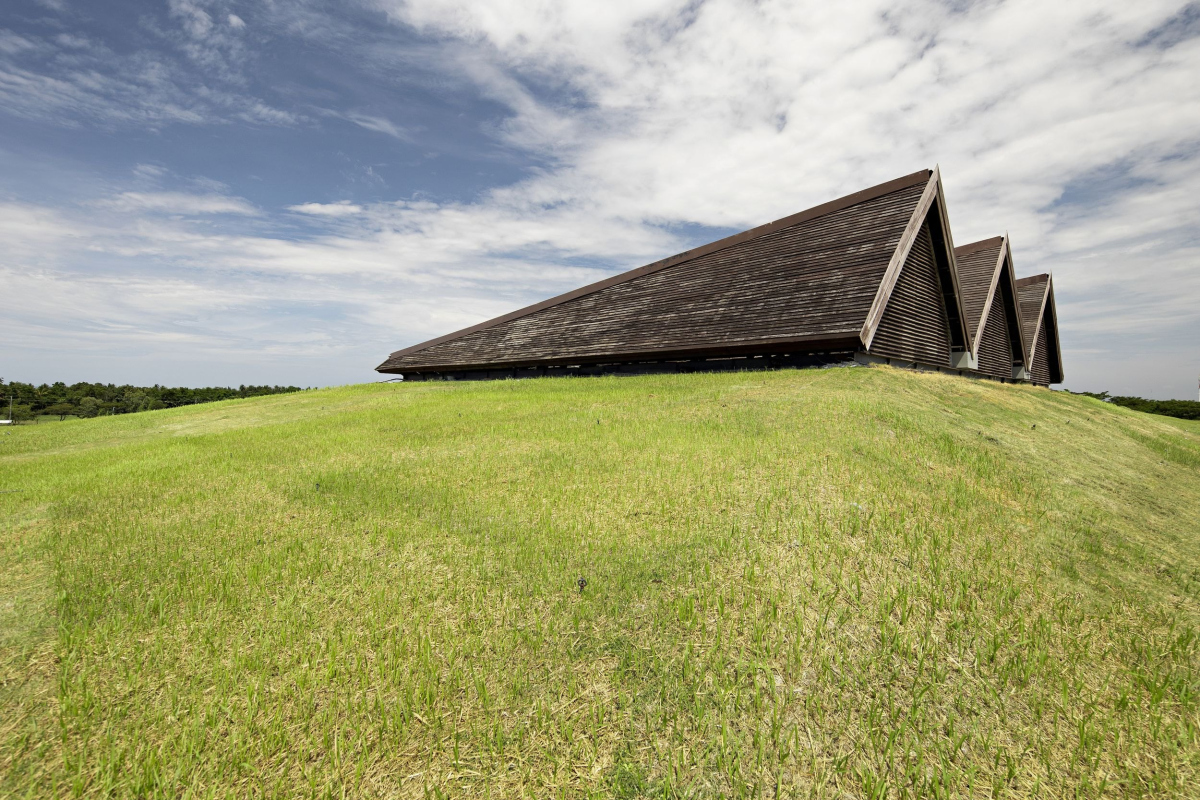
22	413
89	407
134	402
61	410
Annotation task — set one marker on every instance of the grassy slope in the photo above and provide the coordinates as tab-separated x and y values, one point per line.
860	582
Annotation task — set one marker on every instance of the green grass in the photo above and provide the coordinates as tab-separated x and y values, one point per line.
826	583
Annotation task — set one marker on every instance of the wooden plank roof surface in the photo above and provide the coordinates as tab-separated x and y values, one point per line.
978	263
808	278
982	266
1039	321
1032	294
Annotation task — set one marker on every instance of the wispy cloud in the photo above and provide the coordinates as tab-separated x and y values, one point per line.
341	209
179	203
377	124
191	74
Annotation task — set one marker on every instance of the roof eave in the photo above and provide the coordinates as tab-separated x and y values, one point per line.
834	341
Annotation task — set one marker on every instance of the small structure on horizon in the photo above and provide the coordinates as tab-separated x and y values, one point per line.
873	276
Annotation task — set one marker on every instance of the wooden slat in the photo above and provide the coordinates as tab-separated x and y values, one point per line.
884	291
994	351
914	326
1040	368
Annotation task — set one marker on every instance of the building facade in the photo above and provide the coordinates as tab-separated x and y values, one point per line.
872	276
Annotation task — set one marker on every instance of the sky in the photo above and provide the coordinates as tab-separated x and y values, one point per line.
283	192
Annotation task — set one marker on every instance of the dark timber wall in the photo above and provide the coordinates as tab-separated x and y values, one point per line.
1040	369
994	350
914	326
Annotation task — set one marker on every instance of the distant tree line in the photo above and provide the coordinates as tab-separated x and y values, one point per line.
96	399
1183	409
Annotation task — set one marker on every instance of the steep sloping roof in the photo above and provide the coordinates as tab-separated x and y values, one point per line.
1032	294
978	266
989	291
1039	319
807	281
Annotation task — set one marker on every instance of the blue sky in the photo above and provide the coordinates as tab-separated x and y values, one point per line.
203	193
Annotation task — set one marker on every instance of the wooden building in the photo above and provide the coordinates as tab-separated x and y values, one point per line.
1039	320
871	276
989	289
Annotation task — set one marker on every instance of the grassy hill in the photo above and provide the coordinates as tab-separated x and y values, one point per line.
829	583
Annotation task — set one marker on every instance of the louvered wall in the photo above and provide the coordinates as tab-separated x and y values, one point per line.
994	350
914	326
1040	369
816	278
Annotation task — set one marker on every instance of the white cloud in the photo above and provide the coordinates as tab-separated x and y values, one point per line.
377	124
196	21
195	73
179	203
1047	119
343	208
731	114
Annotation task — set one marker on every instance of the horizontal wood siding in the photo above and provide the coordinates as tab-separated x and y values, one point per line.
815	279
1040	369
914	325
994	350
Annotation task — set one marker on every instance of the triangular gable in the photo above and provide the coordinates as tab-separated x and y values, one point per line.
915	328
1039	317
988	283
802	283
929	219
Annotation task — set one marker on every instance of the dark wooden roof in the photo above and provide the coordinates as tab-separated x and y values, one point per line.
1032	293
978	265
1039	319
807	281
989	291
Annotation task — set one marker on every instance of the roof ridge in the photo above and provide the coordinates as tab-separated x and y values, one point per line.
814	212
1032	279
982	244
